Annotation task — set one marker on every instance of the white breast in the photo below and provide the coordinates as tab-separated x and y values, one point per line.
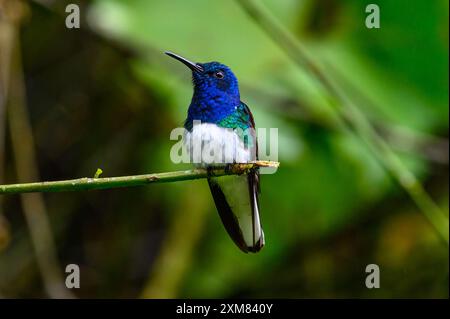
210	144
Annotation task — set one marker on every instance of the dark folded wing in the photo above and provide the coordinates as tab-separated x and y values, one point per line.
236	197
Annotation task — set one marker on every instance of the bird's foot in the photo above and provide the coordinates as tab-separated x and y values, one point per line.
228	168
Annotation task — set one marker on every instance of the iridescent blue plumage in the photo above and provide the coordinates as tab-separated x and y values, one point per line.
216	103
216	94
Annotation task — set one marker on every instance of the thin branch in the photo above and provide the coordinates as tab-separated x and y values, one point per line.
6	44
22	141
350	116
86	183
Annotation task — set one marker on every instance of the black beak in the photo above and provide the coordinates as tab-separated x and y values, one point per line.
191	65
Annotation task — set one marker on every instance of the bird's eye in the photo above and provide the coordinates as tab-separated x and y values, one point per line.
219	74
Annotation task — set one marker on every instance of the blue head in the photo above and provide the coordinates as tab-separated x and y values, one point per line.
216	91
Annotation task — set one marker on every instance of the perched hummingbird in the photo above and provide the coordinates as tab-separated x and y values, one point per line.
223	116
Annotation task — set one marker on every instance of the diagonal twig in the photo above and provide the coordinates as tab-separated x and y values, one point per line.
350	116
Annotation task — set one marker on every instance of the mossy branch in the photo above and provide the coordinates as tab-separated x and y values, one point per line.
86	183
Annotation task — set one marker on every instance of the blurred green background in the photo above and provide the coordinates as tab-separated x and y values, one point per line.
105	96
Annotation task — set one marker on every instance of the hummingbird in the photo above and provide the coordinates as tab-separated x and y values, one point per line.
217	118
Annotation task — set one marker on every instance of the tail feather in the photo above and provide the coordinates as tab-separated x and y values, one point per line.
236	199
258	234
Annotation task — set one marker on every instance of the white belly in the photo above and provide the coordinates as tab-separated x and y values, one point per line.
210	144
